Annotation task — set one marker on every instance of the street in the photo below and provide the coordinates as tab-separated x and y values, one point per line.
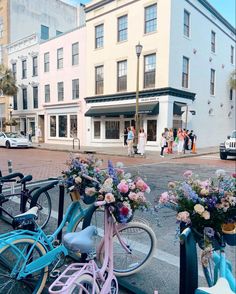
163	272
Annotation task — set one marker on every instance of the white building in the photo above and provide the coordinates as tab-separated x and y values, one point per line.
187	57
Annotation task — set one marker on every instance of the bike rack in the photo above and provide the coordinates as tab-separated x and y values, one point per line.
74	140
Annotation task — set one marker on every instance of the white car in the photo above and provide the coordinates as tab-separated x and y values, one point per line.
10	140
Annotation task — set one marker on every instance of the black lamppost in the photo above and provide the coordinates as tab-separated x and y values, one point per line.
138	49
10	112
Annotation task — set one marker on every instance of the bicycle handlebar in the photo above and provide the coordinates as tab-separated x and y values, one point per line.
10	177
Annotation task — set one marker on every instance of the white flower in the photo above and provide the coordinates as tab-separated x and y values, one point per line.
199	208
127	176
119	164
206	214
220	173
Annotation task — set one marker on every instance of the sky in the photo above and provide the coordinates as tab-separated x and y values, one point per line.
227	8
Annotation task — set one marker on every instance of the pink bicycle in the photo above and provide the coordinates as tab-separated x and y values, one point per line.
88	278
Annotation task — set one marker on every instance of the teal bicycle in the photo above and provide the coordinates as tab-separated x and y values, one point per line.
217	270
27	253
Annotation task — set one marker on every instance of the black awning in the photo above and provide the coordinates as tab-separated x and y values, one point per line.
129	110
178	108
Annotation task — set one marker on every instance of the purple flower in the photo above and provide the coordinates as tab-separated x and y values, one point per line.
209	232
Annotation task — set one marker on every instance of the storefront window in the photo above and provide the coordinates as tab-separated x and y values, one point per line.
97	129
112	130
73	126
151	130
53	126
62	125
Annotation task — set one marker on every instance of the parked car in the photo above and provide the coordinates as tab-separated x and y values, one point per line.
10	140
228	148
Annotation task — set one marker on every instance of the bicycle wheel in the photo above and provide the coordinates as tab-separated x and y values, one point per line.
44	204
84	285
10	266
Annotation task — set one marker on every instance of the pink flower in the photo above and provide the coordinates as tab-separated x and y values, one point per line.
132	196
109	198
205	184
234	175
123	187
183	216
141	185
132	186
90	191
188	174
164	197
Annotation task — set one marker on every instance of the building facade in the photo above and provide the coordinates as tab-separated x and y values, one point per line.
62	88
181	70
21	18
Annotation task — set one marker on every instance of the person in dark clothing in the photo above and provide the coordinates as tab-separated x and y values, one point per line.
125	136
191	137
175	133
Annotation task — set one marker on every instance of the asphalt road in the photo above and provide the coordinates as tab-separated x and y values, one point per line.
162	274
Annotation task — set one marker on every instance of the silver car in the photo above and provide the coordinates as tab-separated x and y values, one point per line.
10	140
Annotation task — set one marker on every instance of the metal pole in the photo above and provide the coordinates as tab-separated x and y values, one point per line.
137	104
60	209
186	117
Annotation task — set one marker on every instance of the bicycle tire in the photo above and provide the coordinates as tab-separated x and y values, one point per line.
33	283
138	228
86	280
44	204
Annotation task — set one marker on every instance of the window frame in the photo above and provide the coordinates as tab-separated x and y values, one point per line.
232	54
46	61
212	82
75	89
213	42
186	25
60	58
147	73
185	75
35	97
112	130
47	93
60	91
99	39
35	66
75	55
152	21
24	99
24	69
99	83
99	123
44	34
15	102
122	31
122	77
14	70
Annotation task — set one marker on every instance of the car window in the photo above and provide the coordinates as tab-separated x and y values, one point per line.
234	134
13	135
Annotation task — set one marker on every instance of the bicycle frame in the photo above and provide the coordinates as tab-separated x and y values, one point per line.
72	216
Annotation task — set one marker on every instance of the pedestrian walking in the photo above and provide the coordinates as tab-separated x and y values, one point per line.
180	136
125	136
142	140
162	144
170	140
38	135
130	141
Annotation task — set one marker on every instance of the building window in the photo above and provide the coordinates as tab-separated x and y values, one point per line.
149	70
232	55
62	126
53	126
122	28
35	65
1	27
99	36
60	58
186	23
75	53
151	130
185	72
212	82
112	130
24	96
122	76
58	33
24	69
60	91
15	106
231	94
46	62
47	93
213	42
14	70
97	129
73	126
75	89
44	32
150	18
99	79
35	97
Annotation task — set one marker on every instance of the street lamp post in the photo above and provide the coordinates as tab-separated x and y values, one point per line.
10	112
138	49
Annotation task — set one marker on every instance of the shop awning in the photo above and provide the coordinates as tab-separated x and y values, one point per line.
129	110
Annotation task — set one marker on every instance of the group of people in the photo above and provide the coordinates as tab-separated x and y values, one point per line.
129	136
182	139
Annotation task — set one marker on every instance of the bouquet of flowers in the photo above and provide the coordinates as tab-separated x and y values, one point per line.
122	192
83	173
203	205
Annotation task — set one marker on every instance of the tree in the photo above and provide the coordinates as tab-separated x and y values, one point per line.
232	80
7	81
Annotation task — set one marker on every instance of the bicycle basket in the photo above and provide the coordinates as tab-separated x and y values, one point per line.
122	213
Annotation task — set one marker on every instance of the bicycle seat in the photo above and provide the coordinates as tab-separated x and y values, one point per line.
25	220
81	241
221	286
25	179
